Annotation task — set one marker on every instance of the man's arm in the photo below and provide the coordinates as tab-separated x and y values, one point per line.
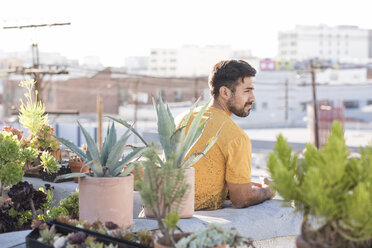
244	195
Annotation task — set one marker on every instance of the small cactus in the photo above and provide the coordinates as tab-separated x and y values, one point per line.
214	235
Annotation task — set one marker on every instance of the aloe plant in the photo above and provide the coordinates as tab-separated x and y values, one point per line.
110	162
175	142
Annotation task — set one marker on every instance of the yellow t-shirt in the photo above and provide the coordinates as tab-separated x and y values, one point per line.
228	160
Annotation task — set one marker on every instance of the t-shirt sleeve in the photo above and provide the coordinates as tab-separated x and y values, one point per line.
238	163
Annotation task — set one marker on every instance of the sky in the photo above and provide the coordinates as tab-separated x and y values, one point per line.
113	30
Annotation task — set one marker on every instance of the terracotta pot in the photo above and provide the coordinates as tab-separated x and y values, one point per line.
187	206
75	166
106	199
57	154
301	243
158	241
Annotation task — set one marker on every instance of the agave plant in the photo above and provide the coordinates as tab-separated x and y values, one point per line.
110	162
176	143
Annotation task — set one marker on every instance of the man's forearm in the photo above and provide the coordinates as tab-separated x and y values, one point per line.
256	196
244	195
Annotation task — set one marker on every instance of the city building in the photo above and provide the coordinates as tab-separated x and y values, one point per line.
192	61
339	43
137	65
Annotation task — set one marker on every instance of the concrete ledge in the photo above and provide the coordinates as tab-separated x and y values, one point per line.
260	222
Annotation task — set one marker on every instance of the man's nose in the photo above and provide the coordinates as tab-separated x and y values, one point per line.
252	98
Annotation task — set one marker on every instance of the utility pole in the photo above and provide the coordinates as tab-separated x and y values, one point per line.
37	71
315	105
196	96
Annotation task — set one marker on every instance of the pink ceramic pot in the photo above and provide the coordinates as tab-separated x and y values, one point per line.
106	199
187	206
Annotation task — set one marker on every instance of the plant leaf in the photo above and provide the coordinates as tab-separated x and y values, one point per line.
193	158
96	167
127	170
166	127
92	146
117	152
127	159
109	142
70	175
130	127
193	130
73	147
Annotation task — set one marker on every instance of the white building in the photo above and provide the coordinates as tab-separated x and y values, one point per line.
190	61
282	97
340	43
137	65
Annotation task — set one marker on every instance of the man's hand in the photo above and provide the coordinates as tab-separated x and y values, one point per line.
244	195
269	190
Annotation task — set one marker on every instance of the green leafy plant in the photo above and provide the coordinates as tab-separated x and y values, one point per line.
32	116
12	159
44	140
333	191
110	162
176	142
32	113
49	163
163	185
71	204
213	236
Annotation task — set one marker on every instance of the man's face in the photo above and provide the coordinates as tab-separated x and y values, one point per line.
240	102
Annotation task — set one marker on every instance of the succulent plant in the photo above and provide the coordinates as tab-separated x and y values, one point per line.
175	142
49	235
7	223
110	162
32	113
333	191
163	185
25	197
49	163
76	238
214	235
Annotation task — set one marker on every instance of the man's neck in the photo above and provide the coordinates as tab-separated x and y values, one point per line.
216	103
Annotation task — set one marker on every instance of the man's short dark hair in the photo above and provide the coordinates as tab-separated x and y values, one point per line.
227	73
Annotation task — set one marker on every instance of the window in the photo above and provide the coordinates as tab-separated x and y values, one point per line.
160	93
122	95
303	106
177	95
50	94
351	104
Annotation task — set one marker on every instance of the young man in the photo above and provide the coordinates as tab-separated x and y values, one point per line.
227	165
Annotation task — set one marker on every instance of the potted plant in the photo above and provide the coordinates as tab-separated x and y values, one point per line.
106	193
12	159
76	163
176	144
32	116
333	191
215	236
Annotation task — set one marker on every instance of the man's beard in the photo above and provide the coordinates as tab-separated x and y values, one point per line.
238	112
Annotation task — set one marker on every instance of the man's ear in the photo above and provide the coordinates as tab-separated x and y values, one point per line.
225	92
